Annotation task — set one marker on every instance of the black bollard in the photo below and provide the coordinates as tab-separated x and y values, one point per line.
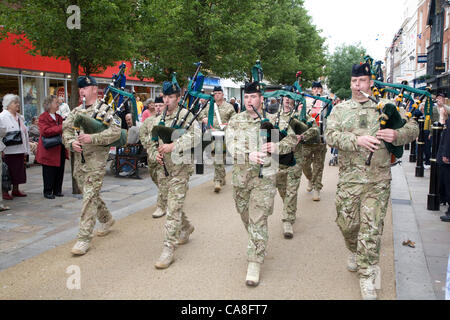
412	154
433	196
407	146
420	146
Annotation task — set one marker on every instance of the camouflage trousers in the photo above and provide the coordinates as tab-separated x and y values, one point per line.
173	190
287	182
254	202
313	163
361	209
155	170
90	184
219	173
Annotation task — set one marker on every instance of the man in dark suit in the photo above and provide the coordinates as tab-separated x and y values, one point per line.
443	158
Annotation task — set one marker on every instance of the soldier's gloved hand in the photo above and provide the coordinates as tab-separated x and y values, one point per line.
369	142
257	157
76	146
85	139
166	148
388	135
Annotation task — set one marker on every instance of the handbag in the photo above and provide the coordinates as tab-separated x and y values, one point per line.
13	138
51	142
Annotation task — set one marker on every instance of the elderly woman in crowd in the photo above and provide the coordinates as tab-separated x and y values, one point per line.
149	109
53	158
17	145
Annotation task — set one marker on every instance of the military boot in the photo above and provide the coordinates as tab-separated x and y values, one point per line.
316	195
166	258
184	235
288	231
158	213
253	270
351	262
217	186
310	186
370	282
105	228
80	248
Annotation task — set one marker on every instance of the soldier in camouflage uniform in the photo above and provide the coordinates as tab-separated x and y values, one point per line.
254	196
288	178
89	175
223	111
363	191
145	134
314	152
177	158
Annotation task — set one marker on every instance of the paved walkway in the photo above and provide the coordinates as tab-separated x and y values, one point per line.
311	266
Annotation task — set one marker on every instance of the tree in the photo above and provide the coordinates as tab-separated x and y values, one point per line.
340	66
105	36
228	36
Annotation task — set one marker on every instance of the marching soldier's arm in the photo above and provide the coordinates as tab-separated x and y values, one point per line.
187	141
289	143
68	134
407	133
336	137
109	135
229	113
232	137
312	132
145	133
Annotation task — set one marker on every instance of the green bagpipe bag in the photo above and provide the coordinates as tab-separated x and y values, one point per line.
91	126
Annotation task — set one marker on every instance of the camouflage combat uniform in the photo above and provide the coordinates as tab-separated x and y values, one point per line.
288	178
173	188
89	176
253	196
226	111
145	135
363	191
314	161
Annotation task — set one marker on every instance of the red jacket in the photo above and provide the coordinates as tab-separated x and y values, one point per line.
48	128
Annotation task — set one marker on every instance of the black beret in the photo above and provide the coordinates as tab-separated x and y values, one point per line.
252	87
86	81
170	88
218	88
317	84
159	100
360	70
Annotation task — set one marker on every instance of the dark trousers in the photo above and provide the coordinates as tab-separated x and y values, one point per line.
53	176
427	148
444	175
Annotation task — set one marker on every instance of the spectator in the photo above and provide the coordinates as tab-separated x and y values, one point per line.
15	154
234	104
52	159
443	109
33	133
150	111
272	106
443	160
2	147
64	109
132	138
139	105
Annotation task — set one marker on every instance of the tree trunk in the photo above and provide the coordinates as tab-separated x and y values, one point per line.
73	103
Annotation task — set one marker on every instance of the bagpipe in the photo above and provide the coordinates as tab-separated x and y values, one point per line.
390	117
115	99
190	102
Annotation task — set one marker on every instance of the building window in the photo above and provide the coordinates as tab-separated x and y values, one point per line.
420	21
446	18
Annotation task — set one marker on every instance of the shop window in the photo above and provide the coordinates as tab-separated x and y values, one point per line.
8	84
33	94
56	88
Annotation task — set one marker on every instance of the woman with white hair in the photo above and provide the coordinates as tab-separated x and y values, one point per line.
16	142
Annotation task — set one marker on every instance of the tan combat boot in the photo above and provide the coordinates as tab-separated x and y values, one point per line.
253	270
351	262
184	235
105	228
310	186
316	195
288	231
166	258
217	186
158	213
370	282
80	248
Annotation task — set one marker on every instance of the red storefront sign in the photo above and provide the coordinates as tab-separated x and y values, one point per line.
14	56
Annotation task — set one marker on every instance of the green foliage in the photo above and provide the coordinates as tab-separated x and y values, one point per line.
339	68
228	36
